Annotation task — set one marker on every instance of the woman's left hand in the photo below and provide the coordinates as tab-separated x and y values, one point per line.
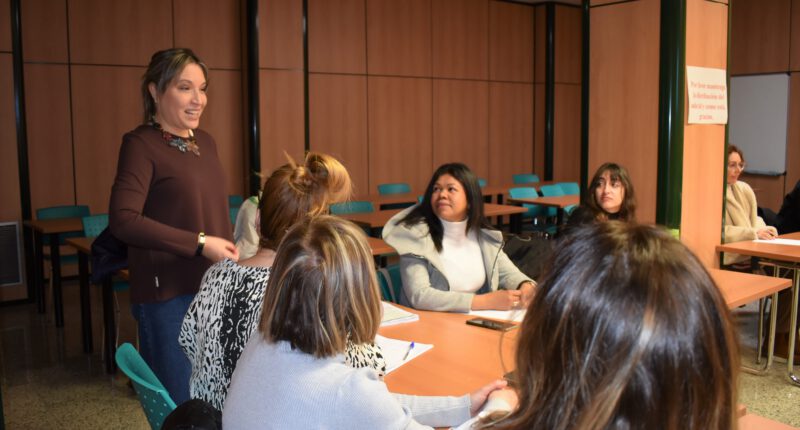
216	249
528	290
478	397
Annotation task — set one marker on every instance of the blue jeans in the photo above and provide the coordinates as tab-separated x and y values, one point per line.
159	326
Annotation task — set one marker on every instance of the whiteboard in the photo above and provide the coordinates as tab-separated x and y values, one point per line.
759	115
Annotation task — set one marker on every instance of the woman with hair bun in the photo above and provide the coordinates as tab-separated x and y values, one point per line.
227	308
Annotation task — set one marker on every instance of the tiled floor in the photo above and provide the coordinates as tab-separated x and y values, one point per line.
49	383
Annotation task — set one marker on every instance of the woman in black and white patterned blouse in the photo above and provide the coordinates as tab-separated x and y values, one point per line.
227	308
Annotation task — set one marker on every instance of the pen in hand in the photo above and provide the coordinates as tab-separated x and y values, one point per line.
408	351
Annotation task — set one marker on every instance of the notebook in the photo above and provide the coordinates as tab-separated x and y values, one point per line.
393	315
394	351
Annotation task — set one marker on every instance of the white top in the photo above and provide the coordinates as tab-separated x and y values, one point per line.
462	258
276	387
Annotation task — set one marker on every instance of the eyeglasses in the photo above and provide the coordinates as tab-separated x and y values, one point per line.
735	165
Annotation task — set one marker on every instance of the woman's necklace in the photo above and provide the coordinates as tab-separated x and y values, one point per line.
183	144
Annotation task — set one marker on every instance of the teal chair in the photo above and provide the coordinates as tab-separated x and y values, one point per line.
233	212
482	182
525	178
551	191
56	212
156	401
235	200
570	188
395	188
353	207
535	212
391	282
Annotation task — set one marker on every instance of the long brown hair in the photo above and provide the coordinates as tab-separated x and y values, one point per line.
627	212
295	191
626	331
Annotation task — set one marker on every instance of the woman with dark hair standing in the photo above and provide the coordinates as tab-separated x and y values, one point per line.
450	258
610	197
627	331
169	204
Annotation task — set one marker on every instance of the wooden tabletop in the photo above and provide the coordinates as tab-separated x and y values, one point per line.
55	225
463	357
379	247
741	288
556	201
380	218
82	244
765	249
755	422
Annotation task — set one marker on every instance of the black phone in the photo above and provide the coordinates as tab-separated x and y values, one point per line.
491	324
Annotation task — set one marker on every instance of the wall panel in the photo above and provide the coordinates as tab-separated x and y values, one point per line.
538	130
794	43
461	124
768	189
760	34
282	124
568	33
44	30
220	47
461	39
400	131
280	40
510	42
567	133
99	124
338	117
49	135
337	36
510	130
399	37
5	28
223	119
623	94
704	144
100	31
793	145
10	210
540	43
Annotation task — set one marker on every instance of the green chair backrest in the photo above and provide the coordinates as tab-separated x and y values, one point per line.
93	225
156	401
235	200
395	188
482	182
233	212
527	193
353	207
551	191
570	188
525	178
391	282
68	211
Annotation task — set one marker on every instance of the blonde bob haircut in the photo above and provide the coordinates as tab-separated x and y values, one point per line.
322	291
298	190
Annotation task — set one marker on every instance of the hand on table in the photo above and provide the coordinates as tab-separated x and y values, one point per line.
478	397
766	234
217	249
528	290
498	300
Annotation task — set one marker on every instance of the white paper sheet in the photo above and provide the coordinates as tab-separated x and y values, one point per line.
395	349
779	241
393	315
516	315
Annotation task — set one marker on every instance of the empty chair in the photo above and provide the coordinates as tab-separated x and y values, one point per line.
156	401
233	212
525	178
235	200
390	282
570	188
93	225
56	212
482	182
534	211
353	207
394	188
551	191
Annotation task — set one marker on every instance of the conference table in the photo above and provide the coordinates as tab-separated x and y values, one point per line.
52	228
558	202
782	256
494	192
375	220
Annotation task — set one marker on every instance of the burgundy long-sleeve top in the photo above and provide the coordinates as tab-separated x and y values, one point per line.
161	199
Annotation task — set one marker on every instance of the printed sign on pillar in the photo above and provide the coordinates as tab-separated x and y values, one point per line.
708	95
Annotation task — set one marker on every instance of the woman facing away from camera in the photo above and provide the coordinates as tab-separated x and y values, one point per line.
627	331
169	203
450	258
226	310
292	374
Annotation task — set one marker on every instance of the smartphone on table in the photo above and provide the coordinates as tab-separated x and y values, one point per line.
491	324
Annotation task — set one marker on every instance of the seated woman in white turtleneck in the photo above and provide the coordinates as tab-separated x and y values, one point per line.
450	258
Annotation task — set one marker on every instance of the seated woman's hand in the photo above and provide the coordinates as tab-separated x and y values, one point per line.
217	249
766	233
499	300
528	289
478	398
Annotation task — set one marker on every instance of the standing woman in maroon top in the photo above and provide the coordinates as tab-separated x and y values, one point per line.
169	204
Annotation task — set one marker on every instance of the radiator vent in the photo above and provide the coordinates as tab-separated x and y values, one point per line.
10	261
